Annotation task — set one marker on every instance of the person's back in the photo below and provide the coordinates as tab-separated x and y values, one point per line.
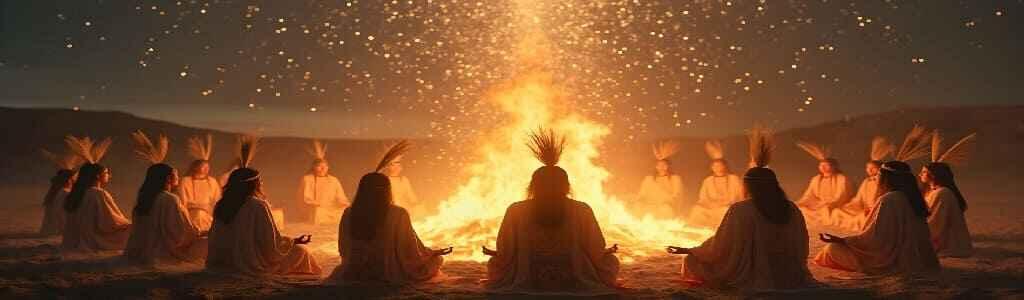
165	234
97	224
394	255
251	243
565	259
949	233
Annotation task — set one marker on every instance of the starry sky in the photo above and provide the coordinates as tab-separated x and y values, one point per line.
423	68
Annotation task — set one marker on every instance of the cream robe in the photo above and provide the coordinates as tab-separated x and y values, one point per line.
395	255
894	241
749	252
403	195
54	215
166	234
200	196
659	196
947	225
252	244
822	192
717	193
324	196
567	260
854	214
96	225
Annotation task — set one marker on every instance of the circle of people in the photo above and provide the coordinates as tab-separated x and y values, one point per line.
547	244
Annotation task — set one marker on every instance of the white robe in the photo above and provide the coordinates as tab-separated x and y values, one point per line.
324	196
404	196
54	215
948	227
822	193
395	255
717	193
166	234
659	196
854	214
749	252
200	196
97	225
894	241
252	244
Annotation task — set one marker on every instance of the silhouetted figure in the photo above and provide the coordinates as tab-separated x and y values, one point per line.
54	216
947	223
320	192
94	222
198	190
718	191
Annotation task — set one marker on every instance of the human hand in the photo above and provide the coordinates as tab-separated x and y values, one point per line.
303	239
677	250
443	251
828	238
613	249
488	252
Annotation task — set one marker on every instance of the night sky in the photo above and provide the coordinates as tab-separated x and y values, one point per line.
423	68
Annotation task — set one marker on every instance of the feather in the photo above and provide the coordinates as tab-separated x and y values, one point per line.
99	150
762	144
146	150
936	145
819	152
880	148
546	146
247	145
914	145
393	154
200	148
86	148
714	149
957	154
318	150
68	161
665	149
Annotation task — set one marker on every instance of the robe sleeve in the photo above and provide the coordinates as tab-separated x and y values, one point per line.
810	196
606	264
503	264
307	191
109	217
185	191
410	192
645	188
677	187
216	188
704	196
339	194
879	241
843	191
725	249
178	228
941	208
272	245
416	260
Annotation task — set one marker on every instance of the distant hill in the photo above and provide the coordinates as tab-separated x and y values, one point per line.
992	173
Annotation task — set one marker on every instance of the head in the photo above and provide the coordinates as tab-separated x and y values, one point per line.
663	167
159	178
895	176
549	194
242	184
872	168
89	175
762	186
319	168
719	167
63	179
199	168
372	201
394	168
941	174
829	167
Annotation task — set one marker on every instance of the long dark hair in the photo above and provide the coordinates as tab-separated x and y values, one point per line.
896	176
193	168
57	182
88	176
943	176
242	184
548	195
771	201
370	206
154	184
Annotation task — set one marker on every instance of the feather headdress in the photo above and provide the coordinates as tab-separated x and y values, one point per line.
68	161
915	144
714	149
247	145
318	150
819	152
90	151
954	155
664	149
546	146
200	148
762	143
146	150
394	153
880	148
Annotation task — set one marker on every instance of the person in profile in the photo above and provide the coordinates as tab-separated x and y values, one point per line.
244	237
718	191
827	191
896	239
853	215
162	233
376	240
94	221
661	193
54	216
198	190
947	223
550	244
320	192
761	242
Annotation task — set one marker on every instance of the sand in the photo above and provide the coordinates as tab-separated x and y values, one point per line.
31	267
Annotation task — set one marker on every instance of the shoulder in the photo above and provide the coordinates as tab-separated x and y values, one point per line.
648	178
581	205
816	178
307	177
257	203
733	177
676	177
167	196
97	192
740	205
